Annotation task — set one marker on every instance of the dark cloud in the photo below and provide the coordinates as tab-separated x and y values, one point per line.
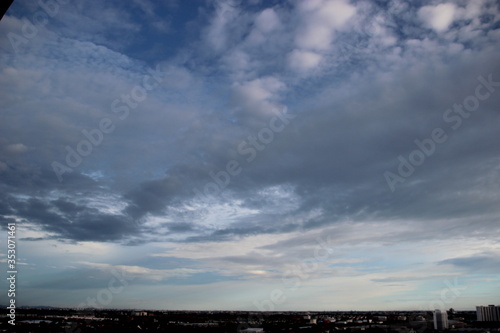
482	263
68	221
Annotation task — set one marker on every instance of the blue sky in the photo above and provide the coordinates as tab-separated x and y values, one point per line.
246	155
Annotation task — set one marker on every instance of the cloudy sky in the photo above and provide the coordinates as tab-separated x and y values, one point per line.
246	155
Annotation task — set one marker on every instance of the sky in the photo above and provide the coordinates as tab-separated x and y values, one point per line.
252	155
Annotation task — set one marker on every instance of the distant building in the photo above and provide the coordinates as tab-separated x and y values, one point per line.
488	313
139	313
252	330
440	320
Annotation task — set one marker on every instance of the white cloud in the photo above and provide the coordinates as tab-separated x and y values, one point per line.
266	25
320	19
144	272
335	13
239	64
217	34
258	97
472	10
316	36
267	20
303	61
253	91
437	17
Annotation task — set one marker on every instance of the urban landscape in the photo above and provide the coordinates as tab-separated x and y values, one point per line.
54	320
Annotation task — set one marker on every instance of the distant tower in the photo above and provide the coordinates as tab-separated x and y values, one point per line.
440	320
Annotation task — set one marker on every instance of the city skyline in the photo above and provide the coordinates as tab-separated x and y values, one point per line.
251	155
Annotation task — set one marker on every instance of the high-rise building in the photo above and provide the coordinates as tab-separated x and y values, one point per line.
488	313
440	320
